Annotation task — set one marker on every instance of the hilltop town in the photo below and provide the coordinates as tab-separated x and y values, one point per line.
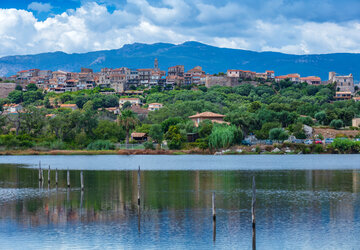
124	79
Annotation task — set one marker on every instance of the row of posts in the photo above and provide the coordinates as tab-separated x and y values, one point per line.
253	201
41	177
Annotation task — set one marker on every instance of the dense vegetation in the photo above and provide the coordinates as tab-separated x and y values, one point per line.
269	111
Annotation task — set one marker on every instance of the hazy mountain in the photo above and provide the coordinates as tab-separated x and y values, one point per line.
190	54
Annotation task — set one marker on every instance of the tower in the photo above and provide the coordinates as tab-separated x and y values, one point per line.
156	64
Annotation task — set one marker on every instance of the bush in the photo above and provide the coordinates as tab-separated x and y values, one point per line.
101	145
337	124
343	145
149	145
318	149
59	145
278	134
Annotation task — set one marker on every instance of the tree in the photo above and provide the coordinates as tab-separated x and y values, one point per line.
128	121
156	133
278	134
173	137
126	105
321	117
18	87
108	130
222	136
16	96
337	124
31	87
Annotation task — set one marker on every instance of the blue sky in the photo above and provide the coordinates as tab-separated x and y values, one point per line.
297	27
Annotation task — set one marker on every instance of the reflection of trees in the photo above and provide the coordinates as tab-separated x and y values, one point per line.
112	196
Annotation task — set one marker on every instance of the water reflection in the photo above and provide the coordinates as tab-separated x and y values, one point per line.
294	209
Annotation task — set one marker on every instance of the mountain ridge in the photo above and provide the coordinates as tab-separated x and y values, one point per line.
190	54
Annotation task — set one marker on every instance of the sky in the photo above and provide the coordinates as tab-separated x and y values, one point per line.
76	26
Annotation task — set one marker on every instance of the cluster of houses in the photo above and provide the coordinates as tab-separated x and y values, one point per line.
124	79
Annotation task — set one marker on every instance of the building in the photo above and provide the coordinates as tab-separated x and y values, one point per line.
356	122
295	78
311	80
139	137
241	74
12	108
133	101
155	106
194	76
342	96
343	83
177	70
213	117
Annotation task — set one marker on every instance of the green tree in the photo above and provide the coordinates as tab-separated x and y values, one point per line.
174	138
108	130
16	96
278	134
31	87
337	124
156	133
128	121
222	136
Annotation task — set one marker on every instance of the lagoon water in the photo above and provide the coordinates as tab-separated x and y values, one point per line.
303	202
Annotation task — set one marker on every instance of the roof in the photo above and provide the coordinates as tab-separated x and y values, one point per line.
68	105
207	115
134	134
345	92
311	78
155	103
127	99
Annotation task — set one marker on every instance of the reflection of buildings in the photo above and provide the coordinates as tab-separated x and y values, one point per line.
182	199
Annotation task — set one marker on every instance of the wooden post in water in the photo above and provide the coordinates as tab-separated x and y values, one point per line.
42	175
213	206
82	180
56	177
68	178
253	203
138	183
49	175
40	171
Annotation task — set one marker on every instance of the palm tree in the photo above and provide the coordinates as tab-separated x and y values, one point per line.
128	121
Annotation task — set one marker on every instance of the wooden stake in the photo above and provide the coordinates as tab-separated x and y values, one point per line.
49	175
68	178
56	177
253	203
82	180
40	171
213	206
138	183
42	175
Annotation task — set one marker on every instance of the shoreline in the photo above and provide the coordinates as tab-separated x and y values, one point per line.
145	152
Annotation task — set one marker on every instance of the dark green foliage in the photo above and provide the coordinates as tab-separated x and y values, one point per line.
149	145
223	136
31	87
278	134
337	124
156	133
101	145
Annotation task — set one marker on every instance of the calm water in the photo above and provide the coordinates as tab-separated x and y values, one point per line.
303	202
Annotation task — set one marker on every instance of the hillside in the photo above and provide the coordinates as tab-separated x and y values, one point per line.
190	54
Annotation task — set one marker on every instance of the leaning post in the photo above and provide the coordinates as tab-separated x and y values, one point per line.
213	206
253	203
82	180
138	184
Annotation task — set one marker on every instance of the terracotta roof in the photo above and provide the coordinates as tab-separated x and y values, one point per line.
207	115
68	105
134	134
155	103
127	99
311	78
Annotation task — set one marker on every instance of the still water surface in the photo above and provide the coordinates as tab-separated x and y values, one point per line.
303	202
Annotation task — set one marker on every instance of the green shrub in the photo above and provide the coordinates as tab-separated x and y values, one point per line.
149	145
101	145
343	145
318	149
337	124
58	145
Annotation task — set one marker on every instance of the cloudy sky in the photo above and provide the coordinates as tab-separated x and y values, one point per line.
297	27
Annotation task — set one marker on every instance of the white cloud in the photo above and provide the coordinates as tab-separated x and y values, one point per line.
40	7
93	27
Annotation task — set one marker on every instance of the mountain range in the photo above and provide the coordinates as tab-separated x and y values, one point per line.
191	54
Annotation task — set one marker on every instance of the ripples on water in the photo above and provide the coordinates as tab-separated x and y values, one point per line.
302	209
